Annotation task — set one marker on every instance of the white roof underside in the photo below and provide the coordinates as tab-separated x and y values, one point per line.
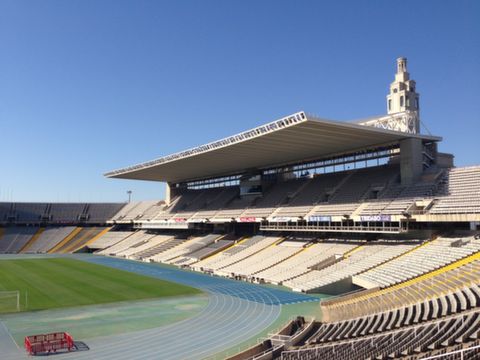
291	140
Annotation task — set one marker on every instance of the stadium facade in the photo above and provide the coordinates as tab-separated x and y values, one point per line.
303	173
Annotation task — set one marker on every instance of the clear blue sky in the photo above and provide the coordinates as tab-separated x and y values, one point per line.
90	86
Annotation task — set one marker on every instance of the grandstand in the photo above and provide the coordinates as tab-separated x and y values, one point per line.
308	257
15	238
369	211
263	259
357	261
49	238
57	213
132	240
431	256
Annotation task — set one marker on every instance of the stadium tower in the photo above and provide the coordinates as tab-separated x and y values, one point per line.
402	97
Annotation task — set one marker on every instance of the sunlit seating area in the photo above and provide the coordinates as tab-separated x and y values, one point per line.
49	237
132	240
184	248
264	259
429	257
459	192
302	262
363	258
234	254
429	316
15	238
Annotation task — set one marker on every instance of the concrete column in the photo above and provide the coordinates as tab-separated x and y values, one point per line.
411	160
168	193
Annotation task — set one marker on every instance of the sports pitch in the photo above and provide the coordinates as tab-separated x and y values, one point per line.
60	282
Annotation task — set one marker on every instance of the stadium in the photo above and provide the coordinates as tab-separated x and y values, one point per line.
303	238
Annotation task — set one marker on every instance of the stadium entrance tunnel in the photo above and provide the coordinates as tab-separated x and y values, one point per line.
341	287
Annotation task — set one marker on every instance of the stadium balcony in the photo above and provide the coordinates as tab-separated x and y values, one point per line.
372	196
57	213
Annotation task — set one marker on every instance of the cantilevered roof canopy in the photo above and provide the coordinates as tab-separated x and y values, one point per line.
290	140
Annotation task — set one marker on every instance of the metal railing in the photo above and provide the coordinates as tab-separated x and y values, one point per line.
461	352
313	349
333	228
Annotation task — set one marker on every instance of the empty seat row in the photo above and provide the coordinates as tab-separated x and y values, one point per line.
431	256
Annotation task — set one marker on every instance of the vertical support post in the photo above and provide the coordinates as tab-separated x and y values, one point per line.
168	193
411	160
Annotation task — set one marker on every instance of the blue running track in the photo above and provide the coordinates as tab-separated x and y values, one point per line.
212	284
236	311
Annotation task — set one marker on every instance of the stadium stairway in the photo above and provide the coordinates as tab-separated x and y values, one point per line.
65	241
95	238
354	250
32	240
217	254
218	250
359	210
79	240
81	237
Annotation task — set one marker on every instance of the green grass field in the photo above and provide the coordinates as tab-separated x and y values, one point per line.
60	282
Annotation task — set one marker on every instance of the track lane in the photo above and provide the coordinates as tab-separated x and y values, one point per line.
236	311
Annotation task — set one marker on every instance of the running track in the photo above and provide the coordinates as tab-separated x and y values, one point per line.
236	312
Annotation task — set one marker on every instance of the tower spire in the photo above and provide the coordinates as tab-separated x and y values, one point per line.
402	96
401	65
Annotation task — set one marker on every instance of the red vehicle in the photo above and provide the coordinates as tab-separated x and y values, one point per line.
48	343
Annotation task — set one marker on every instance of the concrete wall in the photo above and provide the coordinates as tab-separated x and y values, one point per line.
411	160
445	160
